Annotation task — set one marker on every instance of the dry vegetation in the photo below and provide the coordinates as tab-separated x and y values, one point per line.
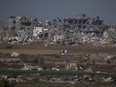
38	48
51	54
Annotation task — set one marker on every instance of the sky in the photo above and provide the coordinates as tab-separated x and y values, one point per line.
50	9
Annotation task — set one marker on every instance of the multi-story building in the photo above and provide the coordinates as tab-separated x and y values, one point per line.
21	26
77	30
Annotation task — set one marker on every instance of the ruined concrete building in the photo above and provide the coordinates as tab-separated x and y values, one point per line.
77	30
21	26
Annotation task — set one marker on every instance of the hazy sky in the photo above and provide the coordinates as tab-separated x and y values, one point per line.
49	9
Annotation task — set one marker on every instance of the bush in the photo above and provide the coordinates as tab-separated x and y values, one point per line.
35	61
5	83
8	47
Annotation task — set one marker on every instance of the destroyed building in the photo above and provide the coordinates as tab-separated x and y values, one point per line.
21	27
77	30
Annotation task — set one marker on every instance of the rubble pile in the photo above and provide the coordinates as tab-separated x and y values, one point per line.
75	79
100	58
77	30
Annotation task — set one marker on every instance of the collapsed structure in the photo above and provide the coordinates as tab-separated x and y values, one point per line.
77	30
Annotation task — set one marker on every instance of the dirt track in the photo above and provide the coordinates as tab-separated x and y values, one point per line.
55	49
29	51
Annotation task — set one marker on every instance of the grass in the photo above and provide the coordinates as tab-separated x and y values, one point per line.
59	73
63	85
7	72
62	73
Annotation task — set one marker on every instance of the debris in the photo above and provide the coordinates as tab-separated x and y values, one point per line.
56	69
39	69
71	31
109	79
63	52
72	65
89	70
14	54
25	67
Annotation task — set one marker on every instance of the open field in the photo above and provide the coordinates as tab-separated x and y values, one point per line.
55	49
52	55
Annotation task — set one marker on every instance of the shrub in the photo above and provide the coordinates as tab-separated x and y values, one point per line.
5	83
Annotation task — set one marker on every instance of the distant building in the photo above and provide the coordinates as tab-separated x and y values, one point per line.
77	30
